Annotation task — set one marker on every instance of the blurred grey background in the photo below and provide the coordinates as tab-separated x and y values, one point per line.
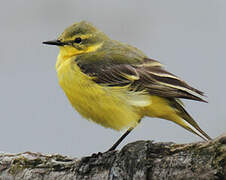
187	36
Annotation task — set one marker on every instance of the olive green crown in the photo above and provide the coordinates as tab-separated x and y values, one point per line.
80	28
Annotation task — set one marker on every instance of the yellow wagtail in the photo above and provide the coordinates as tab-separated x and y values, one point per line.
116	85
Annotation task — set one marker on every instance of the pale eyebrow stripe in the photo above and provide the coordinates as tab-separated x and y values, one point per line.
83	36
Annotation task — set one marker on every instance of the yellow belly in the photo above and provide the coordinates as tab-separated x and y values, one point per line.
94	102
115	108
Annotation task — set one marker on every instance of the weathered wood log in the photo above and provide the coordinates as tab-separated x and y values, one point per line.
137	160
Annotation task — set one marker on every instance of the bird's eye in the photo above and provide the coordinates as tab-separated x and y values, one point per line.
78	40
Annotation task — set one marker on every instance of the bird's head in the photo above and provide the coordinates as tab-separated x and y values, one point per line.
79	38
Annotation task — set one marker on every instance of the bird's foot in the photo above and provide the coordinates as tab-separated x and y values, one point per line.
96	155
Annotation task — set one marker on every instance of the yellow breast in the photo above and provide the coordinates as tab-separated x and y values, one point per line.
103	105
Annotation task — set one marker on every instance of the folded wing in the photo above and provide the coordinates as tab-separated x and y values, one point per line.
148	76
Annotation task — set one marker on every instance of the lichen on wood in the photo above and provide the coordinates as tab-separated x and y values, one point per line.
137	160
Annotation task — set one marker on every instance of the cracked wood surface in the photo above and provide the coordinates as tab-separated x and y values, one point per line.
137	160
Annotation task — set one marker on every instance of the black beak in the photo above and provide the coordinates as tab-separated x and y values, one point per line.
54	42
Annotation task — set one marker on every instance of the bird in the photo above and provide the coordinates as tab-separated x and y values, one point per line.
116	85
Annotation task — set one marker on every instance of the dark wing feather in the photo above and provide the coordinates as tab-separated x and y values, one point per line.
147	76
158	81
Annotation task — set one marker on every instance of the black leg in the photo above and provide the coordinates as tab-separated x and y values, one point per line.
120	139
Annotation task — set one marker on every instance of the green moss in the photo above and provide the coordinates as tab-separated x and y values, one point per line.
21	163
17	166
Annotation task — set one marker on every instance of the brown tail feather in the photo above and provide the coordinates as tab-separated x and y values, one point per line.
184	114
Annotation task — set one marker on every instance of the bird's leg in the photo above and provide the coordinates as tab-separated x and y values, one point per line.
120	139
95	155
